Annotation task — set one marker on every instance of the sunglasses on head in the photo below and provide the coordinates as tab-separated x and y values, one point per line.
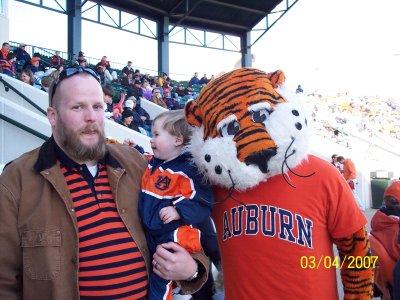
69	72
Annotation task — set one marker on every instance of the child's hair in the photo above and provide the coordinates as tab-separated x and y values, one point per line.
174	122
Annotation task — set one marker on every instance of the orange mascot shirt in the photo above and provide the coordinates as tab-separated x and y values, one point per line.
264	232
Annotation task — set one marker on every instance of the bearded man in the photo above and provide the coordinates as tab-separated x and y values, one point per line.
69	227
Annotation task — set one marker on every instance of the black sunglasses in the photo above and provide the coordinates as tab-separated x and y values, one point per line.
69	72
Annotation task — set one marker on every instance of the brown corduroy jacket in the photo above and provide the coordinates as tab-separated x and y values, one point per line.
38	227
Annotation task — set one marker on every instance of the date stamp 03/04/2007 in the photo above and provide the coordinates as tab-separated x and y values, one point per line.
327	262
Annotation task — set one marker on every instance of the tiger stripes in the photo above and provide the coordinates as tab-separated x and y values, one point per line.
358	283
227	96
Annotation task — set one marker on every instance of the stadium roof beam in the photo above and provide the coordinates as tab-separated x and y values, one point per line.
214	22
74	14
246	49
116	21
163	45
239	7
235	18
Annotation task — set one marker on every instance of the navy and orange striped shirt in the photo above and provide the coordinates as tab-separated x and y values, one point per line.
110	263
175	183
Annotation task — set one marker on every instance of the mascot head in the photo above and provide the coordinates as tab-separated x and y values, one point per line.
247	129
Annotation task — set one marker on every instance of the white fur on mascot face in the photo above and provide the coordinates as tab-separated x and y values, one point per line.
247	109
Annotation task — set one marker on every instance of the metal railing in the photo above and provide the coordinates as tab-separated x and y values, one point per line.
24	127
70	58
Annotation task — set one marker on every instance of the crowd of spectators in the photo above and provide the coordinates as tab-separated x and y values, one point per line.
123	94
341	116
336	117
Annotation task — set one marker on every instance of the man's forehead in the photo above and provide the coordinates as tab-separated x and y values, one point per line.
78	87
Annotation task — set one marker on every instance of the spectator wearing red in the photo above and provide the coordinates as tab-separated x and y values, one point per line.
349	170
104	63
385	228
5	49
57	60
8	65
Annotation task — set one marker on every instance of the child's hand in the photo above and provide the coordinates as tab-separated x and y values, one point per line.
129	142
168	214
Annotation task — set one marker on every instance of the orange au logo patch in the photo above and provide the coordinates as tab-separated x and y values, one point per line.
163	182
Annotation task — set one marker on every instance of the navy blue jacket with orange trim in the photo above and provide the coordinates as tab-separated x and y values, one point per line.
179	183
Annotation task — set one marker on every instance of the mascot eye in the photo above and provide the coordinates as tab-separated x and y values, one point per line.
260	116
229	129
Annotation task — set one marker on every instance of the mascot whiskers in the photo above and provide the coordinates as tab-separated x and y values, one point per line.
278	210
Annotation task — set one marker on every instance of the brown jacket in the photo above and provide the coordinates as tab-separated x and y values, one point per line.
38	227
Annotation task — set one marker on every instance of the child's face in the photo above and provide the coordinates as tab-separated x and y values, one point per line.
165	146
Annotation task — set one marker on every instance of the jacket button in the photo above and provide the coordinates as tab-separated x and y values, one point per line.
123	210
58	232
72	209
74	260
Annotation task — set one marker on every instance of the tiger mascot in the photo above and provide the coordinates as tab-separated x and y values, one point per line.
278	210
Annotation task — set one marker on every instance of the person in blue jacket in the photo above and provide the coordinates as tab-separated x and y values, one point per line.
175	196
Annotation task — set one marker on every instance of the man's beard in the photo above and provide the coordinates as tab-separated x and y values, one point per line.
73	146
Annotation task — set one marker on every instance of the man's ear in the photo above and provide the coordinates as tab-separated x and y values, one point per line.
52	116
192	113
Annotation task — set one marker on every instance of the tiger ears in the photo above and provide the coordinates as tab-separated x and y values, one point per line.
192	112
277	78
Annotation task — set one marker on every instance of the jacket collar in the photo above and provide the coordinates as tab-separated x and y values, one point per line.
50	152
156	162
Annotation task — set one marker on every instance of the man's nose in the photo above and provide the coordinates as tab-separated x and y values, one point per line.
90	115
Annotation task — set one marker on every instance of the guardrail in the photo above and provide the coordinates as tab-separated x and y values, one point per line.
24	127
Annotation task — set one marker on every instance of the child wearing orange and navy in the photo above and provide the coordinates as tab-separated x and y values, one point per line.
175	197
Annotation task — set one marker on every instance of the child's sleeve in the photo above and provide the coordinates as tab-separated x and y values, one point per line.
194	206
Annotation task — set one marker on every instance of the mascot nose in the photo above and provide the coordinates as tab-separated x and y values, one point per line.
261	159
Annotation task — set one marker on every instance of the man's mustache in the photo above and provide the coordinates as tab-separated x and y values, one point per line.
90	129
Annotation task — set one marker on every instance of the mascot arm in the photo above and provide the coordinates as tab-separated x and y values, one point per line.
357	282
